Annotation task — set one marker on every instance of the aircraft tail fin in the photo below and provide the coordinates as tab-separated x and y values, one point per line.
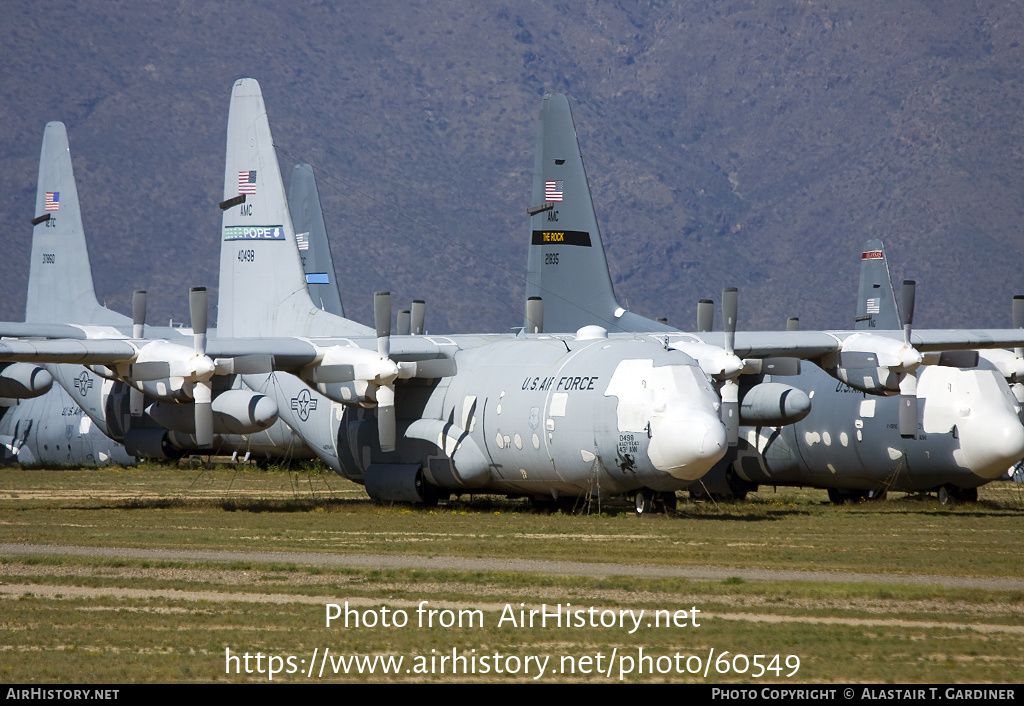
876	300
311	236
60	286
566	264
262	285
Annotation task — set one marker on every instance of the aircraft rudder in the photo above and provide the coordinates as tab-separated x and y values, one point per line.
876	300
311	238
262	284
566	264
60	284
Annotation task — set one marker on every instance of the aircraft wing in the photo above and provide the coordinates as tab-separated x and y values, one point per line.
26	329
810	345
89	352
288	353
926	340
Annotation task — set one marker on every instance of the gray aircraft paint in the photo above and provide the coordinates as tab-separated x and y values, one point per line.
536	415
311	234
566	238
838	445
876	300
52	429
60	291
60	260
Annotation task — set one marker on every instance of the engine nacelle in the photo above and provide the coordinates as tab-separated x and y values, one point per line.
872	364
150	443
234	412
350	375
24	381
773	404
398	483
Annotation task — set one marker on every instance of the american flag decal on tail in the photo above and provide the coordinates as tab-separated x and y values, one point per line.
247	182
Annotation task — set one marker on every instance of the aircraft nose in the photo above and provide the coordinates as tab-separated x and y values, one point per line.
686	445
991	443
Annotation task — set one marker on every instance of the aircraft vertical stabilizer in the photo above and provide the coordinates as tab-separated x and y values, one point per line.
262	284
311	237
567	266
60	288
876	301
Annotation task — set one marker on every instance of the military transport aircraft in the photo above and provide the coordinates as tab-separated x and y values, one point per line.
963	432
516	414
60	292
416	416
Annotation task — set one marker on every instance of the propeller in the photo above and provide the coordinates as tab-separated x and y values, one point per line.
137	400
730	389
908	381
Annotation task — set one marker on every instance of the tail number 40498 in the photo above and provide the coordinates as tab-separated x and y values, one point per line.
247	256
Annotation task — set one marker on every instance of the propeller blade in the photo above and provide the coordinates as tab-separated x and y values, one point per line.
386	426
1018	319
333	373
138	313
731	411
909	289
908	405
419	310
534	315
382	322
730	306
857	359
429	369
136	402
203	393
705	315
154	370
404	322
780	366
252	364
197	307
959	359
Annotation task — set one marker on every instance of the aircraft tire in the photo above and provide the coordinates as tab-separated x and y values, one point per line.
966	495
946	495
667	501
643	502
738	487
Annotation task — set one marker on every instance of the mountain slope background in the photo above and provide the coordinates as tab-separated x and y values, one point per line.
727	144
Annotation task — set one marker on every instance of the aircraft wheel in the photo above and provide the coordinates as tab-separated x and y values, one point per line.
966	495
947	495
667	500
836	496
738	487
643	502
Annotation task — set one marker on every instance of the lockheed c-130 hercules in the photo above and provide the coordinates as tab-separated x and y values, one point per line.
889	423
413	416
